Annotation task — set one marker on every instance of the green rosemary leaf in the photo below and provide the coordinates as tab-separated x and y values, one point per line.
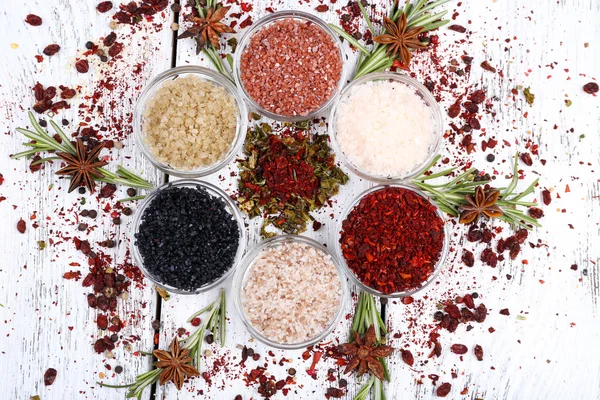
363	393
366	17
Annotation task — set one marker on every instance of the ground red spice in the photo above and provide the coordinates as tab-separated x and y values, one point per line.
392	240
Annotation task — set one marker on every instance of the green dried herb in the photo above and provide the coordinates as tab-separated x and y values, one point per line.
286	175
529	97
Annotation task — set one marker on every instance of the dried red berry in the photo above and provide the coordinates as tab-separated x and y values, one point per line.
478	350
457	28
38	91
104	6
474	235
454	110
41	107
486	65
546	197
49	376
526	158
505	311
103	302
91	299
51	49
196	321
591	88
480	313
478	96
459	349
109	39
468	301
407	357
443	390
33	20
82	66
102	321
466	314
331	392
515	249
536	213
489	257
67	93
453	311
115	49
468	258
471	107
107	190
99	346
474	122
322	8
49	93
21	226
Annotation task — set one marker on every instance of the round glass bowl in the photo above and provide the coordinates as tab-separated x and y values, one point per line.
420	91
206	75
263	22
248	262
352	275
211	190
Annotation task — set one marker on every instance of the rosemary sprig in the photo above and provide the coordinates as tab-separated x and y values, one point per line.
418	14
216	321
367	314
450	196
43	142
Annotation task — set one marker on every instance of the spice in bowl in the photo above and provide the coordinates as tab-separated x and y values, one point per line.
187	238
291	67
392	240
385	128
190	123
291	292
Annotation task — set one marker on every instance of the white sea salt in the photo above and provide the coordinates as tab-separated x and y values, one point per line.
385	128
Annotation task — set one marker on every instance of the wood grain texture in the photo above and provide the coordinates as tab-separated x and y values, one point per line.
549	355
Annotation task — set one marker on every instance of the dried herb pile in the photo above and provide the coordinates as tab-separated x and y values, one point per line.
285	176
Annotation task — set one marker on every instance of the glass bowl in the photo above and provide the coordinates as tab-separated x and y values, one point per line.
422	92
350	273
211	190
206	75
245	41
247	263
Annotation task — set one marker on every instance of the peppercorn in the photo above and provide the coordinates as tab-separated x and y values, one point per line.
103	58
43	123
291	372
116	221
127	211
131	192
118	369
93	214
81	190
490	157
114	337
65	122
82	227
84	213
89	45
438	316
209	339
343	383
256	357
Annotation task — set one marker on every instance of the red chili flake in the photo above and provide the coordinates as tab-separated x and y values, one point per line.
392	226
407	357
536	213
115	49
468	258
591	88
486	65
49	376
459	349
454	110
1	179
82	66
526	158
21	226
51	49
246	7
322	8
110	39
33	20
246	23
457	28
478	350
443	390
104	6
546	197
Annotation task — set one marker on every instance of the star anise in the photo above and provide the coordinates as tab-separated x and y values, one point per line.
480	203
400	38
83	166
208	29
176	364
365	354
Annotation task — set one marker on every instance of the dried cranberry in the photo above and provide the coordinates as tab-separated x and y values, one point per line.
82	66
466	314
489	257
454	110
38	91
21	226
322	8
443	389
85	247
486	65
453	311
459	349
103	302
474	235
42	106
49	376
536	213
91	300
478	96
480	313
478	352
546	197
107	190
505	311
67	93
474	122
514	251
115	49
591	88
333	392
102	321
112	304
49	93
457	28
501	246
468	301
104	6
521	235
487	236
526	158
196	321
33	20
51	49
471	107
407	357
468	258
109	40
109	280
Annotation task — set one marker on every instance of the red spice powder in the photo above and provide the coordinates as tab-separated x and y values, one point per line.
392	240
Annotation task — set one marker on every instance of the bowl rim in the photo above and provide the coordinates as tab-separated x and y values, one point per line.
205	74
257	26
422	91
338	248
212	190
249	260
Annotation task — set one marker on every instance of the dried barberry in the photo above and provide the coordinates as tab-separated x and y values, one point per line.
468	258
478	351
478	96
21	226
457	28
471	107
443	389
526	158
49	376
115	49
459	349
454	110
546	197
82	66
536	213
591	88
33	20
110	39
104	6
486	65
51	49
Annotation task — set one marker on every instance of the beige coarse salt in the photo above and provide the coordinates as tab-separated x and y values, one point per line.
291	293
190	123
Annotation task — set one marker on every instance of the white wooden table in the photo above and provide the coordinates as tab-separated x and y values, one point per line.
552	354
